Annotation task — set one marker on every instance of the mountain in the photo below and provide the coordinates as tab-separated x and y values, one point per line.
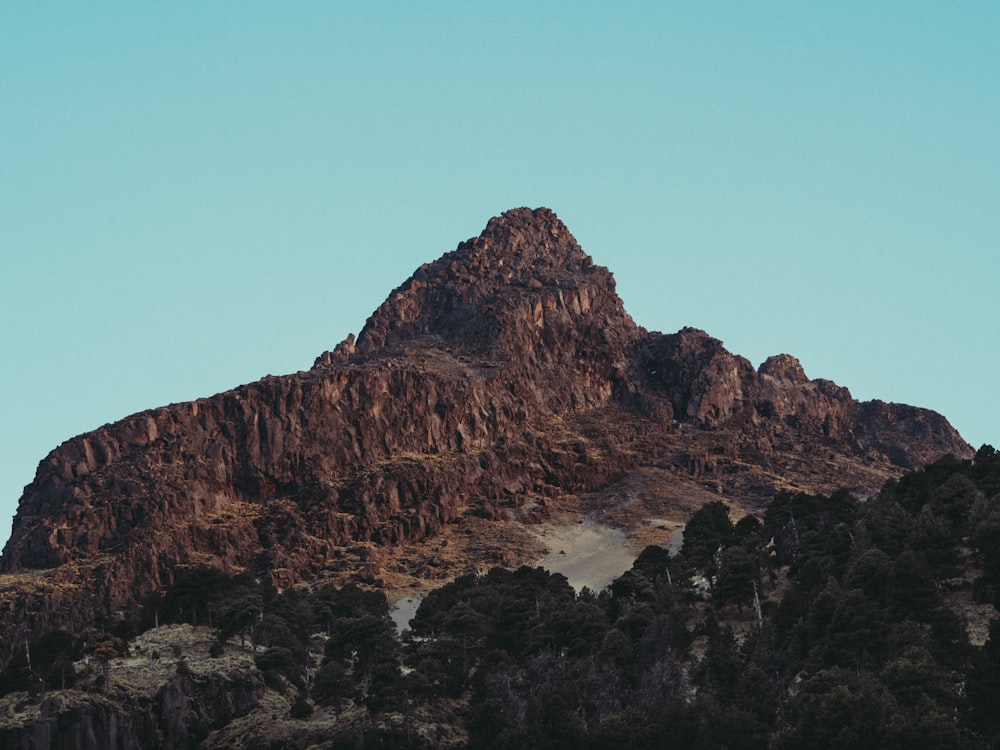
500	386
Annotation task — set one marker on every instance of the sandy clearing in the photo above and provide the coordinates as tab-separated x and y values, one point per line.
587	553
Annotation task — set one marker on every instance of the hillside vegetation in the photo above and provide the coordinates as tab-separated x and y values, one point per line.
828	623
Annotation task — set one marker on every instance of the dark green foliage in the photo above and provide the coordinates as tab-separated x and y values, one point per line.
280	660
985	538
828	624
737	577
707	532
931	484
301	708
653	563
809	530
238	613
52	657
333	683
195	596
545	667
984	688
909	705
361	656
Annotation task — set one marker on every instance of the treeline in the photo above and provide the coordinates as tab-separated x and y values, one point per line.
828	623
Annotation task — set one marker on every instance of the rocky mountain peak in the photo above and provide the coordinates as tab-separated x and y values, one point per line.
499	385
496	292
530	239
783	367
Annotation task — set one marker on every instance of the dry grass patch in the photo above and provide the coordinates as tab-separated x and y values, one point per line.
154	656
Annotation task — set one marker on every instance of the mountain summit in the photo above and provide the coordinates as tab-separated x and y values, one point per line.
469	296
502	385
522	297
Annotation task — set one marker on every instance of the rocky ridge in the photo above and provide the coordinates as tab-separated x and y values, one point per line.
503	383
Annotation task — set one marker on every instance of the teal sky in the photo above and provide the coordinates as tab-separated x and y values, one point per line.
197	194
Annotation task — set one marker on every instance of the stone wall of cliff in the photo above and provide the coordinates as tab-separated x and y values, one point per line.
508	367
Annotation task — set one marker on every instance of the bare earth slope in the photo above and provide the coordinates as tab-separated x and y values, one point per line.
501	385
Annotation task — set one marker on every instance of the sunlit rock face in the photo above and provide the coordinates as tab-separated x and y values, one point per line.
505	374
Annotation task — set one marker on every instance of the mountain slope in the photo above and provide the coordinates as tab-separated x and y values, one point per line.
504	381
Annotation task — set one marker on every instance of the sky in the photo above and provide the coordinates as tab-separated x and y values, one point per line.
197	194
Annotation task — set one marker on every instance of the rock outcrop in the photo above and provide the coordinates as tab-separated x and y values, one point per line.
505	373
181	713
162	703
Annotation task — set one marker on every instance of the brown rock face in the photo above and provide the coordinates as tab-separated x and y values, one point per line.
505	373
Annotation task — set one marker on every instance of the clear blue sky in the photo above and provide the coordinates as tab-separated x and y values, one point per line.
196	194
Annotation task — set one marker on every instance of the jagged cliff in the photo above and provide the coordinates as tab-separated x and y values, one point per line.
502	378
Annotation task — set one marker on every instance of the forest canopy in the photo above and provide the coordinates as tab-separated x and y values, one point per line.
830	622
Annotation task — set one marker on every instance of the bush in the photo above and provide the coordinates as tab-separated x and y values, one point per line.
280	660
301	708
